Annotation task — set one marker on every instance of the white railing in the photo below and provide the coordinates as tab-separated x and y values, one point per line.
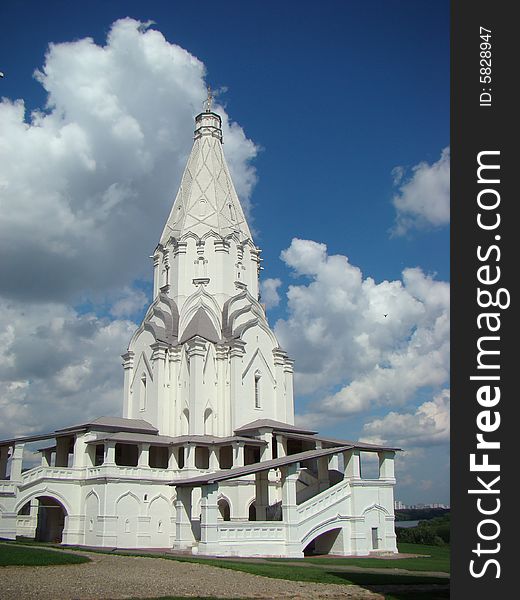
7	488
317	504
252	530
38	473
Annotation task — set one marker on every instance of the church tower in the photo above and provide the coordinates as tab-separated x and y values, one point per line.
204	361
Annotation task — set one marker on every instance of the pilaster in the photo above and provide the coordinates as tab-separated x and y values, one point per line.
128	369
196	352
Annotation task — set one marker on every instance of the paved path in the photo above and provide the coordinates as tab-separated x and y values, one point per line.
112	577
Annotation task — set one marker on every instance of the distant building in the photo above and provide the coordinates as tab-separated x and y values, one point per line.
206	456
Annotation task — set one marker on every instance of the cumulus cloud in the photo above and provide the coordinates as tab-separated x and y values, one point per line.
269	292
357	343
428	425
423	199
87	182
57	367
130	302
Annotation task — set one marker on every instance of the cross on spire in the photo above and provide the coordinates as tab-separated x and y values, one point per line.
209	99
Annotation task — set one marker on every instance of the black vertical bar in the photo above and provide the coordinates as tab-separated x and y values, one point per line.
484	118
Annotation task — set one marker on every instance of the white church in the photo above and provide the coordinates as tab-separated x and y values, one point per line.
206	457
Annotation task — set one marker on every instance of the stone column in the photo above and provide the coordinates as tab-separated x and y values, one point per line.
16	462
80	452
46	457
238	454
262	495
281	442
159	353
323	473
236	353
266	452
221	355
214	464
110	453
183	530
288	371
386	465
290	509
279	362
189	456
196	351
156	274
173	457
144	456
128	369
352	464
175	355
209	519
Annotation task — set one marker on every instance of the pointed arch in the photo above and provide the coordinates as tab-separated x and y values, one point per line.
259	362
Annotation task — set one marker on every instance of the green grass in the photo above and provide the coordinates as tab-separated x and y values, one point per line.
312	574
279	569
438	559
11	554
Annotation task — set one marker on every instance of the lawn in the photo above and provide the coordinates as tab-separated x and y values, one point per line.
315	574
437	559
12	554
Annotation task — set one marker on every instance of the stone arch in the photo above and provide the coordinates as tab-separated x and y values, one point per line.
330	524
251	509
45	491
160	513
224	507
208	421
127	509
185	422
91	517
51	521
200	299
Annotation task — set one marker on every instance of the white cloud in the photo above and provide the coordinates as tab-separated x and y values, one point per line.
423	200
428	425
86	184
58	367
347	352
269	292
131	301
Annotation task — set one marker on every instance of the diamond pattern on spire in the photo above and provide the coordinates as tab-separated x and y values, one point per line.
206	199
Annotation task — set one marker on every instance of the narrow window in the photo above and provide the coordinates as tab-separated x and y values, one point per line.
142	394
257	390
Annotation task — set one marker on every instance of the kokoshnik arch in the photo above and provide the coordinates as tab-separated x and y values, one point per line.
206	456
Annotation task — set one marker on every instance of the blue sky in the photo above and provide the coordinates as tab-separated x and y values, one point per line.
335	96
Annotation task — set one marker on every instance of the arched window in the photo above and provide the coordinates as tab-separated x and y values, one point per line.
142	393
258	402
208	422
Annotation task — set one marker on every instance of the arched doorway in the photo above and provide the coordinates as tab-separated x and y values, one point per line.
51	520
224	509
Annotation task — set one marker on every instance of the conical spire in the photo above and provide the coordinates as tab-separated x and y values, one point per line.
206	200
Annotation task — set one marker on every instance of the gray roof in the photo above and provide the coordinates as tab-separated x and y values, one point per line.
112	424
256	467
200	325
272	424
336	442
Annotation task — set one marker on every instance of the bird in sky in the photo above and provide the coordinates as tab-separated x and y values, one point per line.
385	315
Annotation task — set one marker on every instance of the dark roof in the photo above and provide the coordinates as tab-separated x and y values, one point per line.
200	325
272	424
336	442
112	424
256	467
